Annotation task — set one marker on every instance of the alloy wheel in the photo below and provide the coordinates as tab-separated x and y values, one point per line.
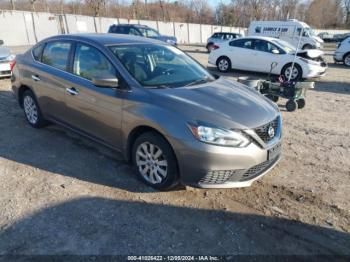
30	109
223	64
289	71
151	163
347	60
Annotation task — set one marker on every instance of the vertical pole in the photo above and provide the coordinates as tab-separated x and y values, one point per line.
296	53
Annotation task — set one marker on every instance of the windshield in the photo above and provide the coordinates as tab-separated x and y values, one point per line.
284	45
149	32
307	32
160	65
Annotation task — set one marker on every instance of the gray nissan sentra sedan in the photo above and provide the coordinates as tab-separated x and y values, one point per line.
156	105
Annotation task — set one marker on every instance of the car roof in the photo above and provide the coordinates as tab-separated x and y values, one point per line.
258	37
132	25
106	39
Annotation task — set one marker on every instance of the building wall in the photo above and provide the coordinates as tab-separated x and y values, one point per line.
19	28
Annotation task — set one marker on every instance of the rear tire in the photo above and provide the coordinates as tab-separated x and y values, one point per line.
301	103
32	111
154	161
223	64
291	105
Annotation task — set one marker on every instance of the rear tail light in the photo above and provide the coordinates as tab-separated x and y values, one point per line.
12	64
215	47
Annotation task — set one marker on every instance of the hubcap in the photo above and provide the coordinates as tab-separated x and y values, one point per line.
151	163
223	64
294	73
347	60
30	110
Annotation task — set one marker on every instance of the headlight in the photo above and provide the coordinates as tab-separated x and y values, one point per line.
219	136
311	62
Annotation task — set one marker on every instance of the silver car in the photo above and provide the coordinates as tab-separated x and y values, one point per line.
7	60
172	119
220	37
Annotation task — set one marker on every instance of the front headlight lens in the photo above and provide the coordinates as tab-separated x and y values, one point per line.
219	136
311	62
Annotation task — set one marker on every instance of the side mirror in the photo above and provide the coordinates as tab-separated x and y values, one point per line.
106	82
1	42
275	51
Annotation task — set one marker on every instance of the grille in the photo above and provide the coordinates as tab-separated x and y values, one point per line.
217	176
258	169
262	131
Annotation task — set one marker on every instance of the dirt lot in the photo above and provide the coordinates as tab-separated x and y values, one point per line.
63	194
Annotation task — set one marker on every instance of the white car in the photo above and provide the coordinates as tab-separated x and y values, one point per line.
257	53
342	54
7	61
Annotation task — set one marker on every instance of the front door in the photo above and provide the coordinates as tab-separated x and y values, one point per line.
94	110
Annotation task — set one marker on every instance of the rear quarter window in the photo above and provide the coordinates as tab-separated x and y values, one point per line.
37	52
56	54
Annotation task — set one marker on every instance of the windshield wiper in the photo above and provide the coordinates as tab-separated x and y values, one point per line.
198	81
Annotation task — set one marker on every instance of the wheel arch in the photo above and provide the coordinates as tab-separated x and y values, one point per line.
345	55
138	131
20	93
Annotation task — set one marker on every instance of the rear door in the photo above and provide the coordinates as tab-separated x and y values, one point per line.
95	111
48	76
241	54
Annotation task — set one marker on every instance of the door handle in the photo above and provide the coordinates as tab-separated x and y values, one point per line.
35	77
72	91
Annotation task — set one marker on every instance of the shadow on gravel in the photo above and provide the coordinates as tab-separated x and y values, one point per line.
60	151
97	226
333	87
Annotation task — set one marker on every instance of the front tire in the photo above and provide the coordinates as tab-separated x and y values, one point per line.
297	72
154	161
32	111
223	64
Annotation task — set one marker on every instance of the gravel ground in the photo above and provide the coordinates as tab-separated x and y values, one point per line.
63	194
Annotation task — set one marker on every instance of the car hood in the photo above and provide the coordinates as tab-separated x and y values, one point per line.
318	39
223	103
4	52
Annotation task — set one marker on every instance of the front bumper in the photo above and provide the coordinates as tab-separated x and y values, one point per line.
209	166
315	71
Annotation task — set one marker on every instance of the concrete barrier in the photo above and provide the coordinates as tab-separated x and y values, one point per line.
19	28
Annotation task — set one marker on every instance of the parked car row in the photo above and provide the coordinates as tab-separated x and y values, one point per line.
6	60
257	53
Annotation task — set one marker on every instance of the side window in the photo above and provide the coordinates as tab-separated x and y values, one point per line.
56	54
37	52
133	31
242	43
90	63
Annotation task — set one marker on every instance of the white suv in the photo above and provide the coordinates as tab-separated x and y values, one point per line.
342	53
